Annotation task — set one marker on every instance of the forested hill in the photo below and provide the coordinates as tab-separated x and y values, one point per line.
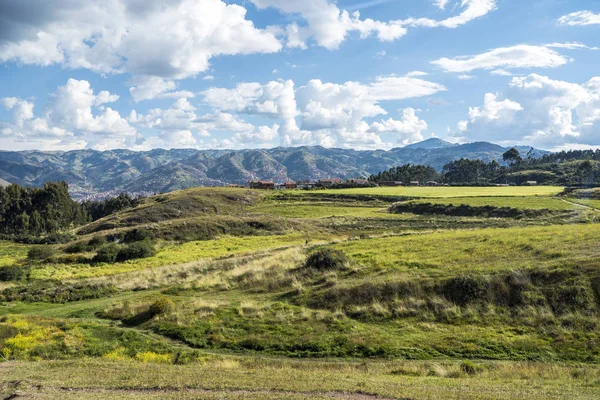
90	172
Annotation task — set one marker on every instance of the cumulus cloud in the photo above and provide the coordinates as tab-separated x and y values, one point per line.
22	110
327	114
540	111
407	130
274	100
75	117
521	56
148	39
580	18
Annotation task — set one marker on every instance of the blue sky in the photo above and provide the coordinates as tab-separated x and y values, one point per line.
142	74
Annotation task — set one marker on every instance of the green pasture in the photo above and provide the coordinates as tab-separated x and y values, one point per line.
482	250
445	191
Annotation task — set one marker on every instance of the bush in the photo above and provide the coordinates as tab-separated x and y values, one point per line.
463	290
40	253
327	260
78	247
136	250
107	254
97	241
470	368
162	306
12	273
138	235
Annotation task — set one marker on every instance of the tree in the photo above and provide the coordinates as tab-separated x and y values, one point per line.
512	156
585	171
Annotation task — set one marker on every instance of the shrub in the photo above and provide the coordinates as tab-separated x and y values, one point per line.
327	260
161	306
40	253
78	247
97	241
138	235
136	250
470	368
107	254
463	290
11	273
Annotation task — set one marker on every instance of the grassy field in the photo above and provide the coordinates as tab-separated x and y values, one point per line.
417	306
518	191
176	254
258	378
484	250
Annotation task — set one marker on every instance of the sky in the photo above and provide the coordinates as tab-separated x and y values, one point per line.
359	74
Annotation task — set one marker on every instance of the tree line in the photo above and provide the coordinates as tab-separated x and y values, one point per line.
50	209
577	167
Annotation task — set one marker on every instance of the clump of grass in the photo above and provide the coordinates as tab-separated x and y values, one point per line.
162	306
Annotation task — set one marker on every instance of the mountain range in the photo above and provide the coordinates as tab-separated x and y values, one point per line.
92	173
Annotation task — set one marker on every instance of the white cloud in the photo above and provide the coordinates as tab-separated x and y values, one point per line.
149	39
416	74
580	18
72	107
328	114
75	117
493	109
571	46
521	56
472	9
501	72
273	100
441	4
329	26
539	111
408	129
263	136
22	110
465	77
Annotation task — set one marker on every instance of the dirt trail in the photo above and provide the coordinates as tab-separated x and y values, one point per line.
580	205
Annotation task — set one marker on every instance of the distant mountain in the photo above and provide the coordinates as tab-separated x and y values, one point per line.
3	183
433	143
93	173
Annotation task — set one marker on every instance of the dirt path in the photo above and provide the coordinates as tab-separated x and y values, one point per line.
580	205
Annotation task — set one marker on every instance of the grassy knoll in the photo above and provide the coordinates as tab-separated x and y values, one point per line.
449	191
